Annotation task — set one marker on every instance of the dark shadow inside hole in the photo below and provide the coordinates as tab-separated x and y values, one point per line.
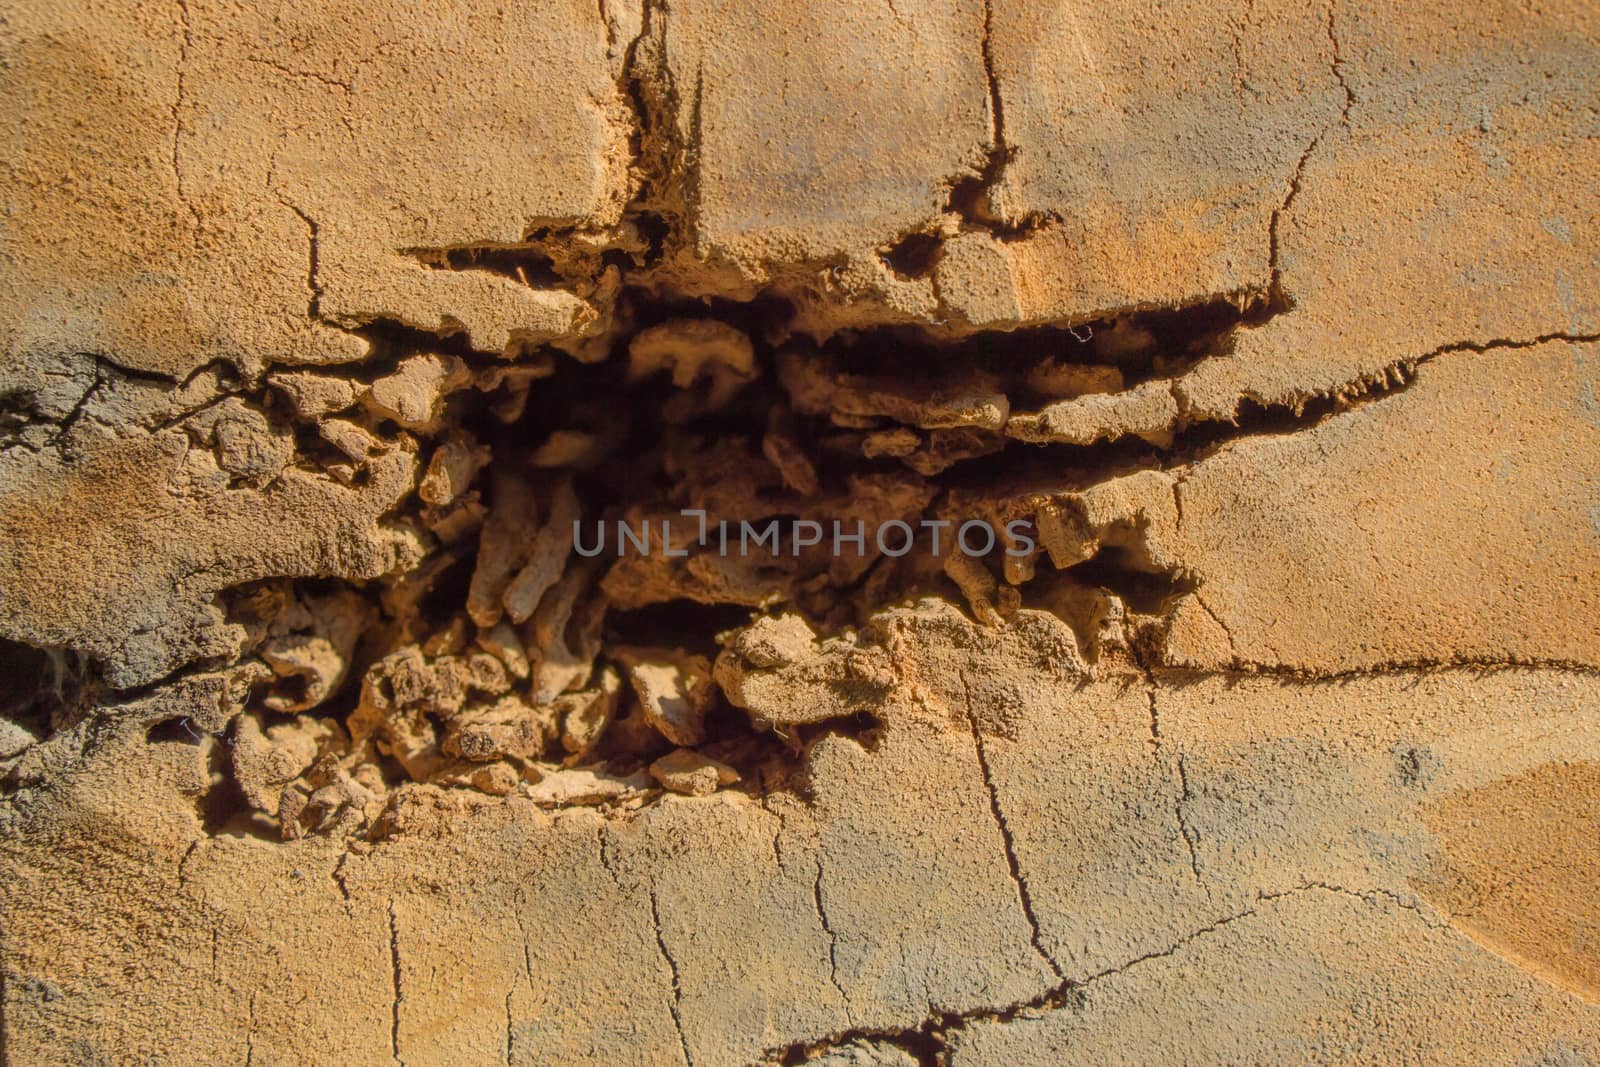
448	593
222	807
390	770
644	473
676	624
291	688
33	689
17	409
180	729
763	319
863	727
1116	570
520	263
914	255
313	449
1154	343
969	196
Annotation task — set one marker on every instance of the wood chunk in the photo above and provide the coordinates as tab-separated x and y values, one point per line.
674	689
692	773
565	634
779	672
587	786
503	547
314	395
503	642
266	758
452	468
693	349
546	558
962	398
586	715
413	396
1066	381
509	727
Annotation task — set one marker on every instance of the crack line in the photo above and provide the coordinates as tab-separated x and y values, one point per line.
250	1034
833	938
997	113
394	980
509	992
527	951
1009	845
677	985
1191	837
1070	993
1366	896
313	269
1279	297
1290	675
177	117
